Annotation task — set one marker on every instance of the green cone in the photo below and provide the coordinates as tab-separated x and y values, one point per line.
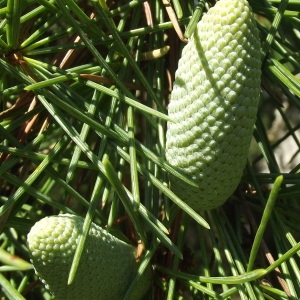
107	266
214	103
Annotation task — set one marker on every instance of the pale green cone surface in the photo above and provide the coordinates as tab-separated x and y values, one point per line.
214	103
106	269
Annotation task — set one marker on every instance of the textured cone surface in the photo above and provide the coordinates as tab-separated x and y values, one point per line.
106	269
213	104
